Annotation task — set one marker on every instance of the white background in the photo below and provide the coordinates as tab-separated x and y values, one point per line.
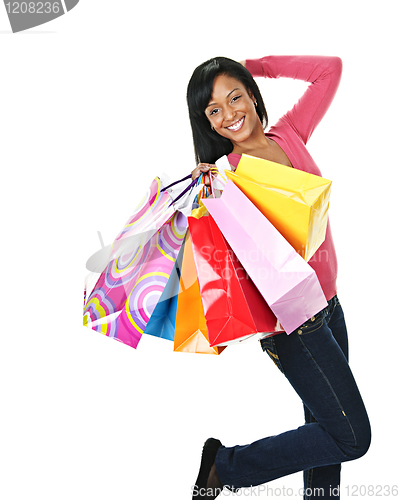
92	108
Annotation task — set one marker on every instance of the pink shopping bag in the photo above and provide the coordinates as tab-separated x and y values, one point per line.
234	308
140	263
288	284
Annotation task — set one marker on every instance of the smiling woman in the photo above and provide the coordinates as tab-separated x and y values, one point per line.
228	117
232	113
208	103
233	116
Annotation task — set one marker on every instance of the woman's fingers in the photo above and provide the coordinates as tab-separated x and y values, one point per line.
202	168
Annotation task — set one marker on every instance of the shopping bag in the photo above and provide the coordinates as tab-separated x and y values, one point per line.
181	192
191	333
285	280
234	308
140	263
295	202
162	320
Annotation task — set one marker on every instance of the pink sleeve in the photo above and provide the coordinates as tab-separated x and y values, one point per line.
322	72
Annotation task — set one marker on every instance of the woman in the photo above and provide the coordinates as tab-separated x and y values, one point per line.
228	117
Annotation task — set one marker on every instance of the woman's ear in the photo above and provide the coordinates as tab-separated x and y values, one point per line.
251	96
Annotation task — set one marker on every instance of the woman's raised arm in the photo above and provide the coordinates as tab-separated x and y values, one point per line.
322	72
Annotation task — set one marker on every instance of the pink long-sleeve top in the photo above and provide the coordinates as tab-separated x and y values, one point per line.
294	129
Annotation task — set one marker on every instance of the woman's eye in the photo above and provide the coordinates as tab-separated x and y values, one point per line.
234	99
214	111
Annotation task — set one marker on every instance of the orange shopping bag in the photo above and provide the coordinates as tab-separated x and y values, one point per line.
190	327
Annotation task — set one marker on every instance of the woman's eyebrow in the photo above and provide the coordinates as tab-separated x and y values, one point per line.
231	92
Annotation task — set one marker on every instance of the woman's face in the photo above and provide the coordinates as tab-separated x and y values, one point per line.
231	110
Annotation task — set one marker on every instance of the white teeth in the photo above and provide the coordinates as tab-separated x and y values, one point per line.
236	126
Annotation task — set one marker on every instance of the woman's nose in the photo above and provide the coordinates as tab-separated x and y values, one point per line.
228	114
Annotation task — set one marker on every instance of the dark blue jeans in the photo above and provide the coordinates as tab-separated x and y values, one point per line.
314	359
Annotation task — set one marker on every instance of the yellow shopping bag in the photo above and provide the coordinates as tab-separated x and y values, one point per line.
295	202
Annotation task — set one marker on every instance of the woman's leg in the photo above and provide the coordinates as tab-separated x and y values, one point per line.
320	481
317	368
326	480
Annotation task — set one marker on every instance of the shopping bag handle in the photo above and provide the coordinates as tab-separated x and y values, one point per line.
211	176
193	183
176	182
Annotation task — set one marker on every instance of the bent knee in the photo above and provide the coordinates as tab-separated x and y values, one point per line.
362	443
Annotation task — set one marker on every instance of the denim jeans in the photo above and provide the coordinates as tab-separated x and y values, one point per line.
314	359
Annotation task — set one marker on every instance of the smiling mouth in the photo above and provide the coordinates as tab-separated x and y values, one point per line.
236	126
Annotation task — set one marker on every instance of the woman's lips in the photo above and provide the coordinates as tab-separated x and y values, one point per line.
236	126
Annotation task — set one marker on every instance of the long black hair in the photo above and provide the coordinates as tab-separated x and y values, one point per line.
209	145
